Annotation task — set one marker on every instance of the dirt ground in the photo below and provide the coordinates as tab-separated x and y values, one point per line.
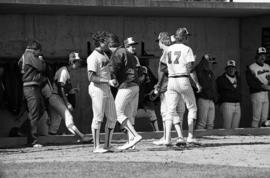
217	156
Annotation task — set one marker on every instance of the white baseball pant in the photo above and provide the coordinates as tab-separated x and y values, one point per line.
206	114
102	104
180	109
260	108
231	114
177	88
126	102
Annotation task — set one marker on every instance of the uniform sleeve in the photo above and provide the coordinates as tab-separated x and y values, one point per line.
190	56
64	76
92	64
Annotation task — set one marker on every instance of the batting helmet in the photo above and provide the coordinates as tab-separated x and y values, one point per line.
181	34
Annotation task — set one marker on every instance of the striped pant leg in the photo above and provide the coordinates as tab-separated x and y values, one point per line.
256	101
110	112
211	115
236	116
180	109
188	96
265	108
59	106
98	105
123	99
163	105
172	98
203	109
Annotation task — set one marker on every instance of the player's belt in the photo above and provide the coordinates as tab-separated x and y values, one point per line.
32	83
178	76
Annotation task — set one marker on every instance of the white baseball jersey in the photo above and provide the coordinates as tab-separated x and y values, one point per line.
62	75
102	99
99	63
177	57
261	72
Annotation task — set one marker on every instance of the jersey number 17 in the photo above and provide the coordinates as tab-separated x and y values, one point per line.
177	55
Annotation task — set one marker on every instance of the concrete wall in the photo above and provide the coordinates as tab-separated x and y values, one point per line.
60	34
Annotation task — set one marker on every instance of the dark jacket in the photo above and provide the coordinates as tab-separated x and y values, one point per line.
32	68
227	93
255	85
124	68
206	79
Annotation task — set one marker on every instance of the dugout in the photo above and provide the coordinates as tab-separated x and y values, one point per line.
223	29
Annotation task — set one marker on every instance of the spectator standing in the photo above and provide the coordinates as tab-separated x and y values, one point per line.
32	69
229	90
208	95
258	75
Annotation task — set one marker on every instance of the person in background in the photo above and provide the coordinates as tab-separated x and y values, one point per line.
58	100
208	96
258	76
32	70
229	90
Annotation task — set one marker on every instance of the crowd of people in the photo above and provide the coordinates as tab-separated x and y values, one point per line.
116	78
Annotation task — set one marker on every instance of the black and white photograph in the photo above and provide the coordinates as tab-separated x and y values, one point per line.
134	88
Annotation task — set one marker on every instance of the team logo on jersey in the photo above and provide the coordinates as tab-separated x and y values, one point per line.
104	63
260	72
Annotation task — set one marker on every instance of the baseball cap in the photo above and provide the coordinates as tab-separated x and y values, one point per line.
261	50
74	56
130	41
231	63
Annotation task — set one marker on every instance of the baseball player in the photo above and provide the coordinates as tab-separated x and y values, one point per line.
208	96
258	75
58	100
161	87
146	106
229	89
32	69
124	68
179	60
99	75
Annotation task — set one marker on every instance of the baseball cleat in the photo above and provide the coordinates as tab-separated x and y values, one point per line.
192	140
180	141
111	149
100	150
131	143
37	145
159	142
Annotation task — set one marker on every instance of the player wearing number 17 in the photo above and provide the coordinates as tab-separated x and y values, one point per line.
179	61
